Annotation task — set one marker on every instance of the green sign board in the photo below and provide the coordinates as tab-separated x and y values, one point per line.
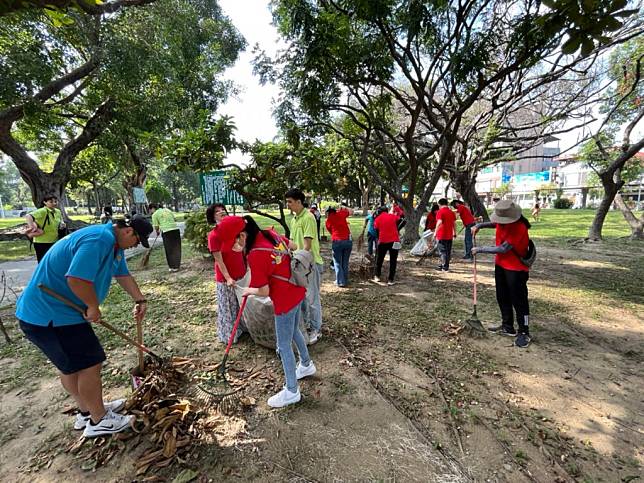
214	189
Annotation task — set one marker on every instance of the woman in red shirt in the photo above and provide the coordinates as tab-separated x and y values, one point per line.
388	241
268	258
229	267
510	274
341	243
468	223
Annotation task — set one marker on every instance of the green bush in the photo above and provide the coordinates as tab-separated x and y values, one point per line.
197	229
562	203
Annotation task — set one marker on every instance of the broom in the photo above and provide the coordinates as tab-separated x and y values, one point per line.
146	257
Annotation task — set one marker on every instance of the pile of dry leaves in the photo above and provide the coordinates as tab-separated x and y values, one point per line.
169	420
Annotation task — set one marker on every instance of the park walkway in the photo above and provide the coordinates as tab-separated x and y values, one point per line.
18	273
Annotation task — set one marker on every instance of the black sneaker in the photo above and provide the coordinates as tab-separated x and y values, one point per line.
503	330
439	268
522	341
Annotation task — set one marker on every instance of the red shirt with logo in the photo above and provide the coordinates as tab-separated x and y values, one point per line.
516	234
263	264
387	226
234	261
465	214
337	225
430	222
448	218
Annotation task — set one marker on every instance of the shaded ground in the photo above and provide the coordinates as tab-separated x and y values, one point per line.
399	395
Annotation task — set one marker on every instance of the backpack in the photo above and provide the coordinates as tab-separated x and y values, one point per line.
301	265
530	256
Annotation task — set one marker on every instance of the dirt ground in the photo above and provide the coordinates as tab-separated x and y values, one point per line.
401	394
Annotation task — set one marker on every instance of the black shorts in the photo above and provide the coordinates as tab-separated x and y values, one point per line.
71	348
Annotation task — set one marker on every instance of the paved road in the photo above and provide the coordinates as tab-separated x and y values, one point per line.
19	273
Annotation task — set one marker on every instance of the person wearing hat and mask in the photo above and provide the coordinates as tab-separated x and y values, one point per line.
510	274
80	267
269	262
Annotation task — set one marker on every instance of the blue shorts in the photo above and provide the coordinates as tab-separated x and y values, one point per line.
71	348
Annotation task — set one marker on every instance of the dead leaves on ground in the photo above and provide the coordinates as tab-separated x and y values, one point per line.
168	421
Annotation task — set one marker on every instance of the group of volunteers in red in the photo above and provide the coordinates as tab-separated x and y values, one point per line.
238	244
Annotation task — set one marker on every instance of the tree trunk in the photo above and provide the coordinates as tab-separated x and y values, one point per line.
413	217
584	198
466	186
610	190
637	225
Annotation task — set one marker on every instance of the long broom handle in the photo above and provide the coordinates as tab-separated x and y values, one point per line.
473	245
222	367
80	309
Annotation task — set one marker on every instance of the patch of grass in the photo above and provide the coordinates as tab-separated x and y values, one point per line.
14	250
9	222
340	385
22	362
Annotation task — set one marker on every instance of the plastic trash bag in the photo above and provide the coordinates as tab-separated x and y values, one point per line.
259	316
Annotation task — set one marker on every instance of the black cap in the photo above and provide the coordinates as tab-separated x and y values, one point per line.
143	228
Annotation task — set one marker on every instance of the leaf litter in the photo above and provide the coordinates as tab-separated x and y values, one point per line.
169	422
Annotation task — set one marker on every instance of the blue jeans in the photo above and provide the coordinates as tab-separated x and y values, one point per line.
468	240
287	331
341	252
372	243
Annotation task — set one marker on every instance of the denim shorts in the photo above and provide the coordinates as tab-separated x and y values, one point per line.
71	348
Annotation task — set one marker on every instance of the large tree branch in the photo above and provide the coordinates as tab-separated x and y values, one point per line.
94	127
11	6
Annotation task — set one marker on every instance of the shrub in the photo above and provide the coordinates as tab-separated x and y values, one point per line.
562	203
197	229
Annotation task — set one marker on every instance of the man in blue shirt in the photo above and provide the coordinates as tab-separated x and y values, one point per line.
80	267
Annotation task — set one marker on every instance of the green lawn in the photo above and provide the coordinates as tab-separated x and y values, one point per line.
14	250
555	225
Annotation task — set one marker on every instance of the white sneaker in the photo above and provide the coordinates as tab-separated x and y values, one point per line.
305	371
115	406
284	398
110	424
314	336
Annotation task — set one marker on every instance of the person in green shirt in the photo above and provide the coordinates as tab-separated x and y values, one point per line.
304	232
163	222
45	222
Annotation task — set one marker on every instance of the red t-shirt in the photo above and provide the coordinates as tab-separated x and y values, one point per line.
430	222
516	234
465	214
337	225
263	264
446	230
234	261
387	226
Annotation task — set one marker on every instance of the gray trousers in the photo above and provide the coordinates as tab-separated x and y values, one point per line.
313	306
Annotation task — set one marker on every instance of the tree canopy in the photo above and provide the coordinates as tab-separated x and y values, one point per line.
407	73
132	76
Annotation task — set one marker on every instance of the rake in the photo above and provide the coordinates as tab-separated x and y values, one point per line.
217	392
473	323
160	360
